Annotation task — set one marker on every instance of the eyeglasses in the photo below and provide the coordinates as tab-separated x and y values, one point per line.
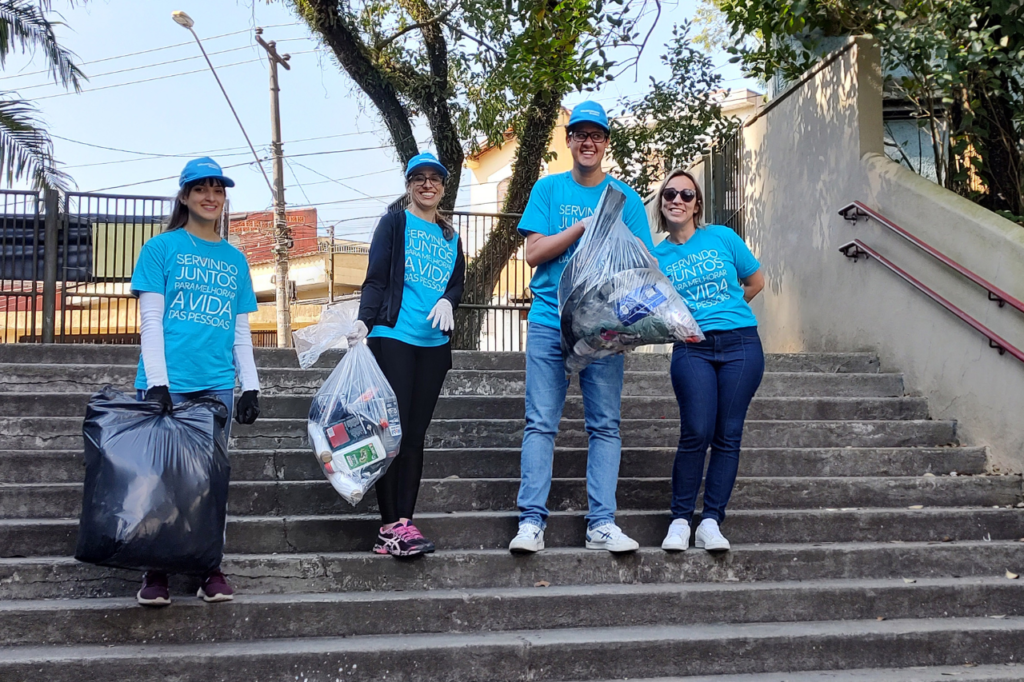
419	179
597	136
669	194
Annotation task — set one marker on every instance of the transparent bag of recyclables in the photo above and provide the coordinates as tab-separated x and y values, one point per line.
353	423
612	297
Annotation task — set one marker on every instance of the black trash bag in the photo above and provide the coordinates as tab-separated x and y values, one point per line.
156	485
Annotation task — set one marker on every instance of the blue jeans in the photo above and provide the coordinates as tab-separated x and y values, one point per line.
546	384
226	396
714	382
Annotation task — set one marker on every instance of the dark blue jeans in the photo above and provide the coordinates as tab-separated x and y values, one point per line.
714	381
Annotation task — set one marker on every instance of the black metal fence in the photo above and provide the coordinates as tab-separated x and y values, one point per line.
496	320
66	264
727	182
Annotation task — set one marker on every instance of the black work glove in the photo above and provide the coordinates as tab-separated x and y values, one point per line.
248	407
162	395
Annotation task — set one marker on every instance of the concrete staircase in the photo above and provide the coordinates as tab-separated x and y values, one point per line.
858	553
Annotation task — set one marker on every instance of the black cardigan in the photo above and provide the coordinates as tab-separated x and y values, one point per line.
381	297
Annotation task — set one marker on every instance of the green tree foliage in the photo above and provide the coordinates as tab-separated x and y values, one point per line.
675	121
959	62
476	70
26	150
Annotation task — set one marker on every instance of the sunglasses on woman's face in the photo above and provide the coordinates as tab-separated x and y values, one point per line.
669	194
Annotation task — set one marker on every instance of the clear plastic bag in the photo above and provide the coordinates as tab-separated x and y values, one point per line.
612	297
353	424
335	322
156	485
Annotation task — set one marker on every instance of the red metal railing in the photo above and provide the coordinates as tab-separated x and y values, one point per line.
858	210
858	249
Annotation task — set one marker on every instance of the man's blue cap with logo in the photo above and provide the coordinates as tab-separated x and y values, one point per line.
588	112
201	169
425	160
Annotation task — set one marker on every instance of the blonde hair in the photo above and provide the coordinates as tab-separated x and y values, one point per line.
698	208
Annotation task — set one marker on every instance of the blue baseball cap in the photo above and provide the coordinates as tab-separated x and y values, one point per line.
200	169
428	160
588	112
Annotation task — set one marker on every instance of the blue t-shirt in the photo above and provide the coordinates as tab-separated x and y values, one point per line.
558	202
205	285
706	271
429	263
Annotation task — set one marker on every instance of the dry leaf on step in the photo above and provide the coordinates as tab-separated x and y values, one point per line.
909	580
1011	576
916	506
542	583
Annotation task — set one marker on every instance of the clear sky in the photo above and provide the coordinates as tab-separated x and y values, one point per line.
338	158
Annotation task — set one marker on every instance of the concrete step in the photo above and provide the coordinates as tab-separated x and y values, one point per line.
64	433
85	378
308	498
53	577
493	530
969	672
512	407
571	653
65	466
81	354
352	614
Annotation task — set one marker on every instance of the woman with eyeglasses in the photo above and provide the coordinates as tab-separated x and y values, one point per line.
714	380
413	285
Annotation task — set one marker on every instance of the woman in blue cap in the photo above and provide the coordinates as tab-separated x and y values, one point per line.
413	286
195	296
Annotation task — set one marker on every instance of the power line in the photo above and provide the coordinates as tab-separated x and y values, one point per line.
169	177
151	66
339	182
155	78
149	51
157	155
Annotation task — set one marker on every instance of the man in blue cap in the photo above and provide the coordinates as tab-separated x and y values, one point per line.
555	218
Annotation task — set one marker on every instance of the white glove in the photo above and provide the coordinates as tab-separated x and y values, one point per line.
358	333
442	316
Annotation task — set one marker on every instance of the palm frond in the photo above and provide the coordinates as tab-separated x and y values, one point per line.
26	150
24	27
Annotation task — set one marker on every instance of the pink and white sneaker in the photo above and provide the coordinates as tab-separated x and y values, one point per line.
402	540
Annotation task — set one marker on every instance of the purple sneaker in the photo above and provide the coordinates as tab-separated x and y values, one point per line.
215	588
403	540
154	590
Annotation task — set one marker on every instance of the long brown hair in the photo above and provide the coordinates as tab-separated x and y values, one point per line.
179	214
698	208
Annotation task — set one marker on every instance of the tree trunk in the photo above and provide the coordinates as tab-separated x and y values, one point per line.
485	268
324	18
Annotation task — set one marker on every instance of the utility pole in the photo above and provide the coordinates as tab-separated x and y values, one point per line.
282	233
330	270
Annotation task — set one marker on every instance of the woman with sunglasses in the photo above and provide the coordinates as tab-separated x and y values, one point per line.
413	286
714	380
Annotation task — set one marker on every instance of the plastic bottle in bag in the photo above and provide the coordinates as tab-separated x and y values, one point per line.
353	424
612	297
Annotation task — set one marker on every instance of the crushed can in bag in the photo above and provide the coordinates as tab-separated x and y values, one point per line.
612	297
353	424
156	485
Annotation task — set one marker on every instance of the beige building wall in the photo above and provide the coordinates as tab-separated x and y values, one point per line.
819	148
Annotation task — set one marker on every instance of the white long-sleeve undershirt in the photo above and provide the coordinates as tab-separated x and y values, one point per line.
151	310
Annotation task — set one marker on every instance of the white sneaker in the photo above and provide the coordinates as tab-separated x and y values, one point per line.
610	537
528	540
709	537
678	538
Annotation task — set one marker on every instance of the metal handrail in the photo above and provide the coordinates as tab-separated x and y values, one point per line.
858	210
857	249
